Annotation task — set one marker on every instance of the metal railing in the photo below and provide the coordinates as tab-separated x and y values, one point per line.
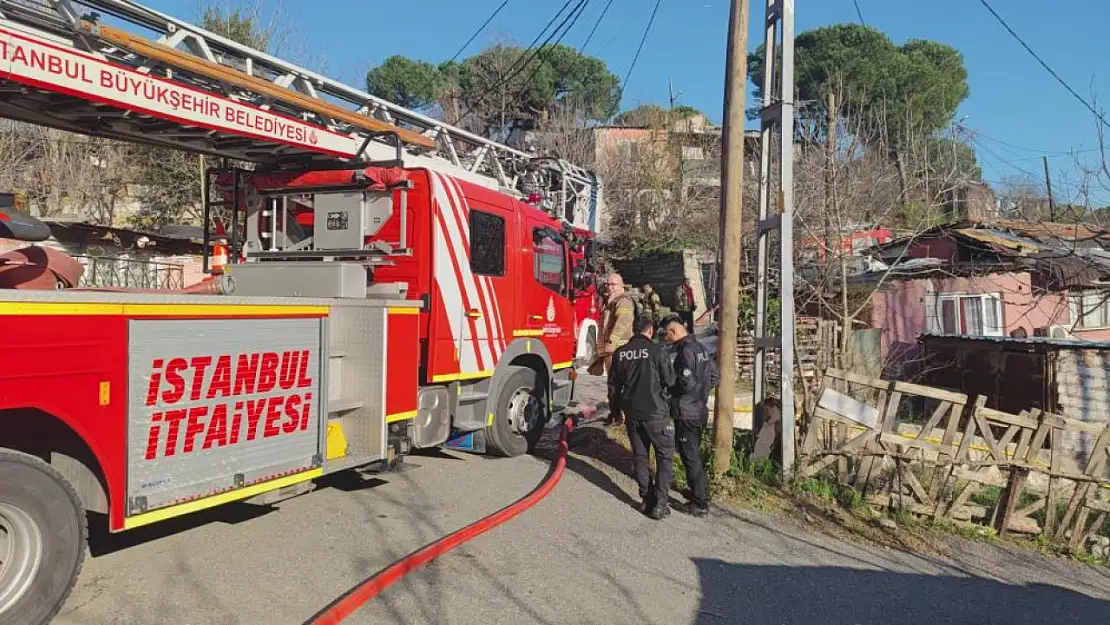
108	271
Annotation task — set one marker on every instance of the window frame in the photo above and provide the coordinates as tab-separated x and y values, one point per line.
987	301
548	233
1076	307
480	271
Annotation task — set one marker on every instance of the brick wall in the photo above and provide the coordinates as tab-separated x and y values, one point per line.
1083	392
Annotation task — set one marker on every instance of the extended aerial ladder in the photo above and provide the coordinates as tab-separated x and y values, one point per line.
83	66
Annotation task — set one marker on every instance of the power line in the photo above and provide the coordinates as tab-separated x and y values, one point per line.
639	48
480	29
1044	65
596	24
575	14
859	13
522	62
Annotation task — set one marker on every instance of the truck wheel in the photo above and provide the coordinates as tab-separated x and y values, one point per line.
591	348
519	415
42	539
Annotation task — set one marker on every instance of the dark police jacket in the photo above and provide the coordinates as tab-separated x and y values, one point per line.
638	380
696	374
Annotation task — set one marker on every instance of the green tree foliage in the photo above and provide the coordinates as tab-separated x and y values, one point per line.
170	180
404	81
914	88
647	115
503	87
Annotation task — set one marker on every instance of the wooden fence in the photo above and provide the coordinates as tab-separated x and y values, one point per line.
930	451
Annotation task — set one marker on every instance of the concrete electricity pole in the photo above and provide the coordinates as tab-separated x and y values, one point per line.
732	169
1048	185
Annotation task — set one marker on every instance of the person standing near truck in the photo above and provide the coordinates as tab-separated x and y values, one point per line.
684	304
638	384
695	375
652	304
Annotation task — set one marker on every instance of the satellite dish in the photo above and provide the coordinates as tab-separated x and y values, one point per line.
21	226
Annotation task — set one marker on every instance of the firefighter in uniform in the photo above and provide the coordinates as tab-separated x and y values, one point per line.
695	375
652	305
638	384
684	303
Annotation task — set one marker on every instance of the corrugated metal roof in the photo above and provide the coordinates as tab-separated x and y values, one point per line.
1031	340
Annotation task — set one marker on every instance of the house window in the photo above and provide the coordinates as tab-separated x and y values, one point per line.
1090	309
487	244
966	314
549	259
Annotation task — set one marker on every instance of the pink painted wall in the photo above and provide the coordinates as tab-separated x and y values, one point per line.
899	309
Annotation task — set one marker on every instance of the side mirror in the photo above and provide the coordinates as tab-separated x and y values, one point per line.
581	279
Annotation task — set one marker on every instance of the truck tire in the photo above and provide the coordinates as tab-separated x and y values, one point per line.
42	539
519	414
591	348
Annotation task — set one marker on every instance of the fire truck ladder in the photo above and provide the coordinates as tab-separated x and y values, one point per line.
319	122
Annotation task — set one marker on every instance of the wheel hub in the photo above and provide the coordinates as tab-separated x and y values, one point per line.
523	410
21	552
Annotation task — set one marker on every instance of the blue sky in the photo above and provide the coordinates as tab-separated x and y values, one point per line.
1019	111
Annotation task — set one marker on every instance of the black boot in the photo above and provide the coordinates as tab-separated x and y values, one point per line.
659	511
695	510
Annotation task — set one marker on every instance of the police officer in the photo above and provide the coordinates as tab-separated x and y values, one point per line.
695	375
638	383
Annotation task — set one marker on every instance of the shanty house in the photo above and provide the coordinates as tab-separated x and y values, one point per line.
996	278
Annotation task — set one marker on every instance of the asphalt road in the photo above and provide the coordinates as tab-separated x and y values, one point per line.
581	556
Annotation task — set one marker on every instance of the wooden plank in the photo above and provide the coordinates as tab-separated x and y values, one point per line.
890	413
828	415
1098	453
1082	426
966	439
857	443
934	419
1029	509
898	440
856	378
988	436
1081	492
1055	450
928	391
1010	498
1037	444
1026	437
979	478
1079	532
1004	417
1008	437
1050	507
961	500
1097	504
916	488
849	408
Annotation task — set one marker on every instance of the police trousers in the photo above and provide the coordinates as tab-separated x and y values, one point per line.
688	434
657	433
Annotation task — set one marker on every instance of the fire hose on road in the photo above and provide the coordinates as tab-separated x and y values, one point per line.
358	596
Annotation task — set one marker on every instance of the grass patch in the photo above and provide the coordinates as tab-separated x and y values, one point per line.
840	510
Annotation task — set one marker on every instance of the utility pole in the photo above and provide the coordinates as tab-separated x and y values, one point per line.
1048	185
732	168
776	213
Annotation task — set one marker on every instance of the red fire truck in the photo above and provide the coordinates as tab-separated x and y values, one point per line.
394	283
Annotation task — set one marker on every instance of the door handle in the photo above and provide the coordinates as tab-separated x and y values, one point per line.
474	313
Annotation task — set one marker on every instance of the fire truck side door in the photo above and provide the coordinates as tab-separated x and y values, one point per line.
545	288
489	296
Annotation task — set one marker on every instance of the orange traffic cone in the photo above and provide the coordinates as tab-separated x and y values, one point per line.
219	250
